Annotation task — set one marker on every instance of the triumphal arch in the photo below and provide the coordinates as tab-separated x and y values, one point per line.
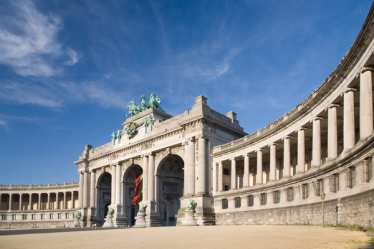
156	165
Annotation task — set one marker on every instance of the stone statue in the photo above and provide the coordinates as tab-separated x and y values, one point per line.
191	206
148	122
143	103
132	108
154	101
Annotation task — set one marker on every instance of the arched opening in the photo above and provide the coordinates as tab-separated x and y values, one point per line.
103	197
132	192
169	189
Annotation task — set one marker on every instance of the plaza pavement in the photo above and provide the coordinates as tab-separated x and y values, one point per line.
209	237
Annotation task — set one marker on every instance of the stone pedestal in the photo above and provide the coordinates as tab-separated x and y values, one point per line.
189	219
108	222
152	217
140	220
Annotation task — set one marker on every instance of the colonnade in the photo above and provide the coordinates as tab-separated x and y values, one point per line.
347	120
38	201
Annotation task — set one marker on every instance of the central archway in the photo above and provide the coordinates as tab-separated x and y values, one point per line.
104	192
132	186
169	188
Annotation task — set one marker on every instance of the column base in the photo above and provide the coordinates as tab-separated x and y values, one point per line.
152	218
204	213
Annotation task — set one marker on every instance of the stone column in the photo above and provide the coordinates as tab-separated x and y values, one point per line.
286	157
246	171
332	132
64	204
349	119
300	151
118	184
39	201
273	162
220	176
48	201
202	166
92	189
189	171
30	201
85	189
113	186
81	179
316	142
151	177
259	167
20	202
233	174
10	202
145	178
366	102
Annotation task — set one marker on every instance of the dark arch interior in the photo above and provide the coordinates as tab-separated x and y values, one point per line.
104	184
170	188
129	177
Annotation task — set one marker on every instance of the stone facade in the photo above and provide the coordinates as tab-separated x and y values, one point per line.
314	165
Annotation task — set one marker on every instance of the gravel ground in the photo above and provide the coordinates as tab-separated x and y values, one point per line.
209	237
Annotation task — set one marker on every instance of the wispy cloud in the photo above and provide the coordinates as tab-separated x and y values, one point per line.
25	93
29	41
56	94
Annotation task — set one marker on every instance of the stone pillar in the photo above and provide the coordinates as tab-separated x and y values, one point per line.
189	171
39	201
30	201
118	184
92	189
349	119
332	132
85	188
259	167
286	157
246	171
300	151
20	202
273	162
81	179
233	174
145	178
48	201
202	166
366	102
113	186
64	204
10	202
316	142
151	177
220	176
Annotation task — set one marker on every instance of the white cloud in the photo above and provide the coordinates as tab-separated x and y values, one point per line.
56	94
73	57
35	94
29	41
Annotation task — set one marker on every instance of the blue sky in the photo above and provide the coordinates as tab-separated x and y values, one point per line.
68	68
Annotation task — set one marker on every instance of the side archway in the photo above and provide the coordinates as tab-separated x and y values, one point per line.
169	176
132	192
104	192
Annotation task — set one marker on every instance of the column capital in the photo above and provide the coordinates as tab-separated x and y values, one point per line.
333	106
318	118
367	68
350	89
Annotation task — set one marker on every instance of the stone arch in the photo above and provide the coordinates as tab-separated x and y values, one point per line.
104	195
129	191
169	188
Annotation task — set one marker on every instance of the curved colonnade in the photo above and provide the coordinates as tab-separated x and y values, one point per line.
315	164
50	205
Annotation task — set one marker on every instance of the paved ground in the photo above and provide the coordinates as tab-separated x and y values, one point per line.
214	237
